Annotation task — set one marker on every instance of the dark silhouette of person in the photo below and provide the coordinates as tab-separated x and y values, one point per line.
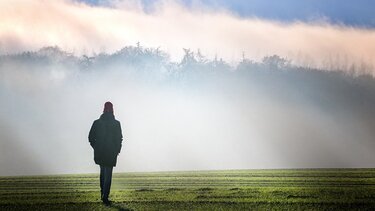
105	137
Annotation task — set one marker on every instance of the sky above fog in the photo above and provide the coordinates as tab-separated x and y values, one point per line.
312	33
47	110
347	12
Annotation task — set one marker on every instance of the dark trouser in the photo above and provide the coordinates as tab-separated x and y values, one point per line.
105	181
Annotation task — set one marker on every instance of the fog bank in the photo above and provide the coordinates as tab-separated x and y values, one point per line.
197	114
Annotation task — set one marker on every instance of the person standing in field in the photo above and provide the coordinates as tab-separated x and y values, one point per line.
105	137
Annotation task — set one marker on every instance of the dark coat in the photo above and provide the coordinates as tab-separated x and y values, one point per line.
106	137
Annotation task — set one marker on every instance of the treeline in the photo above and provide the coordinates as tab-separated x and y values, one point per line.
274	76
144	59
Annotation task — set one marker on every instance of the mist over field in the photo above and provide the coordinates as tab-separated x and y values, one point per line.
197	85
194	114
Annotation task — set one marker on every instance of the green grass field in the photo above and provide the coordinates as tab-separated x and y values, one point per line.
312	189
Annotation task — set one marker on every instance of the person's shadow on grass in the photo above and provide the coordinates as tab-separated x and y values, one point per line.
119	207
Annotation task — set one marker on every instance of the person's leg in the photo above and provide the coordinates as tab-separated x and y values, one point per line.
102	173
109	178
107	182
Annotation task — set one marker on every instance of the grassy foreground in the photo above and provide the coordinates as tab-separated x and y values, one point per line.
312	189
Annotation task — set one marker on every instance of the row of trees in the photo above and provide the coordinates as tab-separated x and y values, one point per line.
274	76
145	59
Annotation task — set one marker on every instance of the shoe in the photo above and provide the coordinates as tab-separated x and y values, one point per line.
107	202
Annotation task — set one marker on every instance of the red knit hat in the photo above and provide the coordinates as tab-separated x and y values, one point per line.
108	107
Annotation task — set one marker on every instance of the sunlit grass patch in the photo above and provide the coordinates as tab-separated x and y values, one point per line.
201	190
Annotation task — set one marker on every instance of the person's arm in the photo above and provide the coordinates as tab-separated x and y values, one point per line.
92	135
119	137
